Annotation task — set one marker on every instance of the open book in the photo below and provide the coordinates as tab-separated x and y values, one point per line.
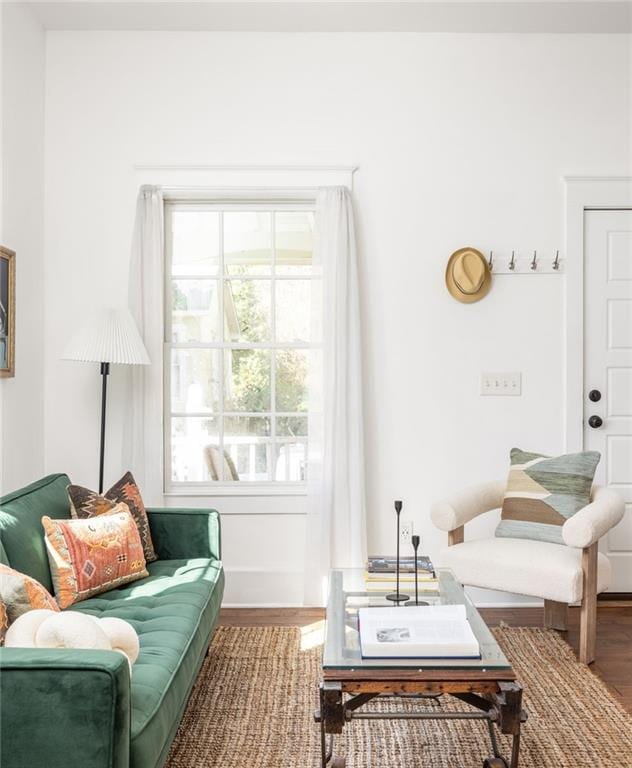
427	631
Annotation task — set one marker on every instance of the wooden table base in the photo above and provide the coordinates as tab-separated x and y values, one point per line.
498	702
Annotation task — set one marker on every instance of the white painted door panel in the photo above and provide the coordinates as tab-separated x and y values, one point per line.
608	369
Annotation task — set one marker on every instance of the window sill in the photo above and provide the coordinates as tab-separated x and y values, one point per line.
237	489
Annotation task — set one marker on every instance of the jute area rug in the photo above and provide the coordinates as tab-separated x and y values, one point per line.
255	698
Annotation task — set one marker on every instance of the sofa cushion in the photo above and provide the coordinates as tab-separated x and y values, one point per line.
173	611
536	568
21	532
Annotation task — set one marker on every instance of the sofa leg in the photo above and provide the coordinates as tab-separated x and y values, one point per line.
457	536
588	618
555	615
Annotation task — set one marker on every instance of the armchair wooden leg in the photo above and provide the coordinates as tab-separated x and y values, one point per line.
457	536
555	615
588	618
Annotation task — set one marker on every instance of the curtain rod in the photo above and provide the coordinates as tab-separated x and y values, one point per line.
192	194
265	168
224	188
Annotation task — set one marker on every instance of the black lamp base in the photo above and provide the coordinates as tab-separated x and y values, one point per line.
419	602
397	598
105	372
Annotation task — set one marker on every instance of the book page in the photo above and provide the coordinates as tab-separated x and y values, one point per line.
437	630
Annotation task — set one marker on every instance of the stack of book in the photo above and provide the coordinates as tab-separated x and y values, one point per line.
381	574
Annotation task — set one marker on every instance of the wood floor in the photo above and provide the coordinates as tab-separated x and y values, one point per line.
614	634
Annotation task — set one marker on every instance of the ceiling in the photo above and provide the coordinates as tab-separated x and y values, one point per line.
534	16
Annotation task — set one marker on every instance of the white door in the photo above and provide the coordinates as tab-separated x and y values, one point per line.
608	370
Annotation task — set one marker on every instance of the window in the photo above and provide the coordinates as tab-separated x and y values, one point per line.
237	333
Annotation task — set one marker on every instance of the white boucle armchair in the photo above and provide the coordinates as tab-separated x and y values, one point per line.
558	573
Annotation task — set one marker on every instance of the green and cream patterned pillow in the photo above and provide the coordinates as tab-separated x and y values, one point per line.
543	492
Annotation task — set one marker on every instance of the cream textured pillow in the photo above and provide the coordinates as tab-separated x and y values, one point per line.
122	636
21	634
71	629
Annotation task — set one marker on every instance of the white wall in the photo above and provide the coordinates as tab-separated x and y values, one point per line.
461	140
22	397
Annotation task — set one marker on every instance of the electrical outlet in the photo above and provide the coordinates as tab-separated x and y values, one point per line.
501	384
406	531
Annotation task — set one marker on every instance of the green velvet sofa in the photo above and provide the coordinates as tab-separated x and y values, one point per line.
79	708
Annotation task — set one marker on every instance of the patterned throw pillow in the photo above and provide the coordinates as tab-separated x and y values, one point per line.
86	503
20	593
4	621
91	556
543	492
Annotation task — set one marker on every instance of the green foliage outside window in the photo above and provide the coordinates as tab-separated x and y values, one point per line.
251	367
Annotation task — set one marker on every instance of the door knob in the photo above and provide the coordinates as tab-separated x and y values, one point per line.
595	421
594	395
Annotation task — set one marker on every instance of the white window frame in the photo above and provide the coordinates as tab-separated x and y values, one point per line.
225	488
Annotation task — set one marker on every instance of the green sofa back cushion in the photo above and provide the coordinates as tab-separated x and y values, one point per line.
21	531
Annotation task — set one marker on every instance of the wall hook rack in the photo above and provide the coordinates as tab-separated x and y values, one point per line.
517	264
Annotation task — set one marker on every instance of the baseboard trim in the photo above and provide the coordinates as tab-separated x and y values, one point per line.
508	605
614	596
263	588
482	606
245	606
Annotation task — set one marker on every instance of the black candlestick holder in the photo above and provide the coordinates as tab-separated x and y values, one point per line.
396	597
415	542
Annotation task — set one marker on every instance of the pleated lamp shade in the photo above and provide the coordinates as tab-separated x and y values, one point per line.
111	337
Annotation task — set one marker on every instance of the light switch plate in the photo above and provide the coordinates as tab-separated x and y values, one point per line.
501	384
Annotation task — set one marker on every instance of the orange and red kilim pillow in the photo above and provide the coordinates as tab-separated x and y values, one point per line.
86	503
91	556
4	621
20	593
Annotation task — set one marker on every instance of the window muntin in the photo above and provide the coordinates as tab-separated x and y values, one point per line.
237	336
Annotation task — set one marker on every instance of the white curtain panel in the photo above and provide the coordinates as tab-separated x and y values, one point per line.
336	519
142	453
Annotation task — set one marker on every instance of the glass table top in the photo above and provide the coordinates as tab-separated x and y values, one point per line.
347	593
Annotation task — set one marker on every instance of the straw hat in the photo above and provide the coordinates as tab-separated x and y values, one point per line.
467	275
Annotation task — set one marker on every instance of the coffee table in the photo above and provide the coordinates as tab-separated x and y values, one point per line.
349	682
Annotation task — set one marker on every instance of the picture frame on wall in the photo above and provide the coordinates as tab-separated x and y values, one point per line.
7	312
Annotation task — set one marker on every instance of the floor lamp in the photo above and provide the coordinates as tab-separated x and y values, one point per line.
111	338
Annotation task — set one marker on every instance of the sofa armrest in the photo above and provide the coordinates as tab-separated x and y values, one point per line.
180	534
64	708
595	520
463	506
